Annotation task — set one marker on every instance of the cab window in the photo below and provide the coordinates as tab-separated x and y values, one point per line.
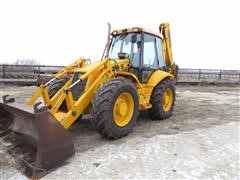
150	60
129	44
152	52
160	52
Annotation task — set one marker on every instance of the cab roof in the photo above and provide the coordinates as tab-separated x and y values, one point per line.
135	30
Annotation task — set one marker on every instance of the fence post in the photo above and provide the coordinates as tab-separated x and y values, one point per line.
38	81
220	75
3	71
199	74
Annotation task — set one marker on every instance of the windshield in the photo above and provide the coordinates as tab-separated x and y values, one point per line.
128	43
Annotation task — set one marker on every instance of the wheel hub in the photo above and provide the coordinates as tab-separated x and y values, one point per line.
123	109
167	99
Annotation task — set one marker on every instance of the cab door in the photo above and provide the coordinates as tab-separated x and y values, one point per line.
152	56
135	54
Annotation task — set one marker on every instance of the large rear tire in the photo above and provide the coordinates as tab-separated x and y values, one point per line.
162	100
115	108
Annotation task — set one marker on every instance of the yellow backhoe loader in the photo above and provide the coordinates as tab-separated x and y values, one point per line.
136	73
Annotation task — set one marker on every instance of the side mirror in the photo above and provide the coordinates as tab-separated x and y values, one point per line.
122	55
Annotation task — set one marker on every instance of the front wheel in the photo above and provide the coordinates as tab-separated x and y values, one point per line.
54	87
162	100
115	108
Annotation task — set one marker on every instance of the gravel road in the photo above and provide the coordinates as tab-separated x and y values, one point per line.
200	141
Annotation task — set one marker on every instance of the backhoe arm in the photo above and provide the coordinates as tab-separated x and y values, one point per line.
165	31
167	49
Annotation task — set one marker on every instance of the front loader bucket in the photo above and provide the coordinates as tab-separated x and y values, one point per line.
36	141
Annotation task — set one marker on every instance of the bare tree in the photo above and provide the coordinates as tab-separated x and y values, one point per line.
26	62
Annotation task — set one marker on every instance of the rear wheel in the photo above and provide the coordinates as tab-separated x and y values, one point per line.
115	108
162	100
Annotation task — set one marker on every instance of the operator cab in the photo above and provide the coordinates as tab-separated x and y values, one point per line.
143	49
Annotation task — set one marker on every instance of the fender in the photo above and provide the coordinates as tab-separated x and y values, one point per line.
130	76
157	77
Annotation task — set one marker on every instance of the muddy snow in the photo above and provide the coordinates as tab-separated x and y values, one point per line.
200	140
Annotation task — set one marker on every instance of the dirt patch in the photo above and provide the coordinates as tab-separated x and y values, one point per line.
200	140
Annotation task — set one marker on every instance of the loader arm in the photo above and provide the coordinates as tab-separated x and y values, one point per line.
97	74
42	90
68	69
76	108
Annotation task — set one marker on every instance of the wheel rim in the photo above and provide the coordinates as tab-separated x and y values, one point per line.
123	109
167	99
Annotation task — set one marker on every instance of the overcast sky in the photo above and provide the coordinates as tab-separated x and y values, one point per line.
205	33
